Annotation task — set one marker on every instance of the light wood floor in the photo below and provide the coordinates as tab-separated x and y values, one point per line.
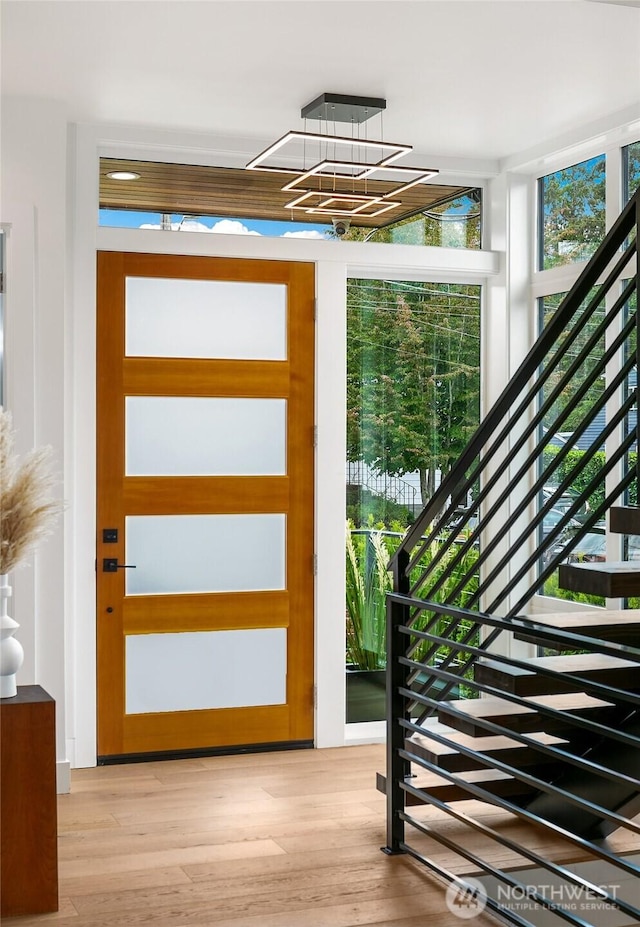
267	840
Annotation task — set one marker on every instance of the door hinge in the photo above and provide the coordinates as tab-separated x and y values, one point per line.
1	282
314	436
314	696
315	310
315	564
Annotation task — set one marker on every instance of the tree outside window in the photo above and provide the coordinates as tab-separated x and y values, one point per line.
631	170
413	377
572	213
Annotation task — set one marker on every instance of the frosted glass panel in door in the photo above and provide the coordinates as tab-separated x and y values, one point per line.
216	669
204	553
205	318
187	436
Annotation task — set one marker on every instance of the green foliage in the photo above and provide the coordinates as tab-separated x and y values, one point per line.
457	589
578	485
573	212
592	470
632	157
362	505
578	415
368	582
455	223
580	481
413	375
567	469
551	588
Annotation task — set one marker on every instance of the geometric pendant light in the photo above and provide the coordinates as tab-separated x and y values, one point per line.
338	180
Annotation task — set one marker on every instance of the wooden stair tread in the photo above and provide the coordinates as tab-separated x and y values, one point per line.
518	717
608	566
494	744
598	667
603	624
502	747
610	579
604	616
583	662
564	701
493	780
624	519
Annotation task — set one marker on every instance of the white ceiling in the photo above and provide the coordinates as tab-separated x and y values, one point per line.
469	78
635	3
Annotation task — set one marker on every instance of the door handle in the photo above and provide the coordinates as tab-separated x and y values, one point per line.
111	565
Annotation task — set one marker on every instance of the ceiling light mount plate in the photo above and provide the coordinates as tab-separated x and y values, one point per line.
340	107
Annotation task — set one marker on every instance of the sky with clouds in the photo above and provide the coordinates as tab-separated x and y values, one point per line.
219	226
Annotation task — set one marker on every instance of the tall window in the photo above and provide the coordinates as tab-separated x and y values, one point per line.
578	436
630	170
571	223
572	213
413	400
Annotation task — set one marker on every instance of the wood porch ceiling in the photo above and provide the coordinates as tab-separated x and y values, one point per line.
193	190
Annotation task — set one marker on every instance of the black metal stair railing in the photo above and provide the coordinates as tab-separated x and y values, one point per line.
476	555
577	776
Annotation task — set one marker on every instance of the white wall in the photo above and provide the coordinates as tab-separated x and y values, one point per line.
34	204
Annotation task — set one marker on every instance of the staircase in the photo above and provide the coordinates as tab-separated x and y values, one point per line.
549	730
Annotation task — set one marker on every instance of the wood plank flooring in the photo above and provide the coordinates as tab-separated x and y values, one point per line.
266	840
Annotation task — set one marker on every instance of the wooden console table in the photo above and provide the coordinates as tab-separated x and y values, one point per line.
28	810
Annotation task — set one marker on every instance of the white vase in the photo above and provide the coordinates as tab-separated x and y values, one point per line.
11	652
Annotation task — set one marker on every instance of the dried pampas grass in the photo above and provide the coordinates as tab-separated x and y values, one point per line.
26	509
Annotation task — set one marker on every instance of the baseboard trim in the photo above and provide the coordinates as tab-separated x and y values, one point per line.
63	777
202	752
365	732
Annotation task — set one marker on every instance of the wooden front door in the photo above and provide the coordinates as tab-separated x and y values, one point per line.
205	407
